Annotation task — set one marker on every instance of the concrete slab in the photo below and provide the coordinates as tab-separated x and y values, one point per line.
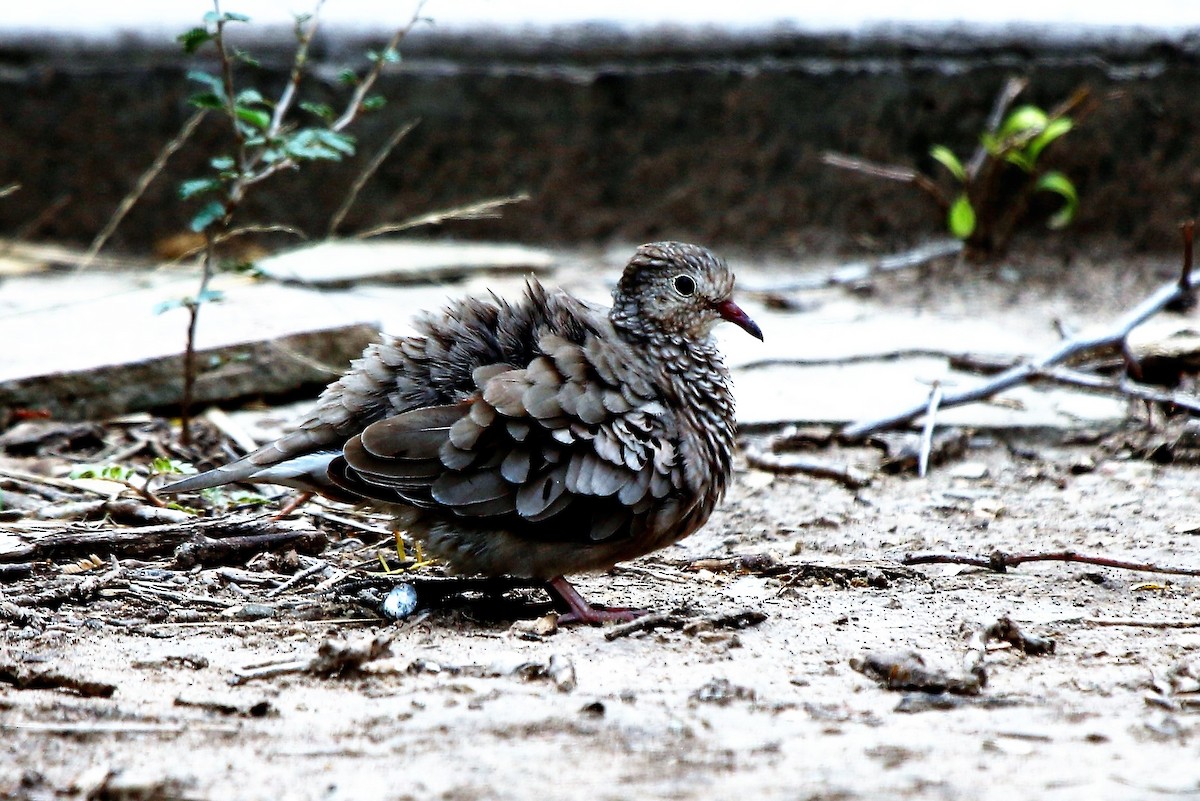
342	262
90	344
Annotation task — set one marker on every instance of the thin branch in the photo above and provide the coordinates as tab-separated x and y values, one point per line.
857	272
304	36
482	210
931	408
1144	624
238	187
5	191
372	166
1000	561
1121	387
904	175
364	86
1008	93
1069	105
1108	337
792	464
234	233
736	620
1185	275
44	216
248	177
140	187
189	353
985	364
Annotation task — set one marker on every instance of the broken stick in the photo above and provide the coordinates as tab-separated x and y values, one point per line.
1107	338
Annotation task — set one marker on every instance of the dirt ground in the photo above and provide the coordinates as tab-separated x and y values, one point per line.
476	701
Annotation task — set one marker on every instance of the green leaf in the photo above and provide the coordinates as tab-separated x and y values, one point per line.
310	144
109	472
344	143
250	97
206	100
197	186
253	116
161	464
210	296
374	102
168	305
118	472
945	156
1053	130
961	218
322	110
991	143
1019	158
212	17
222	163
209	214
192	40
248	499
1059	184
348	76
1022	120
247	59
214	84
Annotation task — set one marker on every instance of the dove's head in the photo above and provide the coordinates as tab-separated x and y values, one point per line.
677	289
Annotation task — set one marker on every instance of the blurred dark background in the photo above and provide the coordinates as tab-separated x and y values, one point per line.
617	136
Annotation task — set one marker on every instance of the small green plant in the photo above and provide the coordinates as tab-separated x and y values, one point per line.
1018	141
265	136
124	474
994	187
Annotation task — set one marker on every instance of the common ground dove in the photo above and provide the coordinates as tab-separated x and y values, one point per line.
534	438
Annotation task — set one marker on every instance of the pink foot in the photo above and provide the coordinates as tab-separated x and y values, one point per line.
583	612
295	503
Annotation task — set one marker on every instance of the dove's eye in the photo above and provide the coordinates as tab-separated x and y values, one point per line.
685	285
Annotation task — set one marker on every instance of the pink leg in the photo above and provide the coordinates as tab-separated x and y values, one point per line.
294	504
583	612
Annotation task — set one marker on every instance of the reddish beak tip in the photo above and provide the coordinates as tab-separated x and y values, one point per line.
733	313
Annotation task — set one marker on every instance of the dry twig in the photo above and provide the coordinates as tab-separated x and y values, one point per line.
687	624
999	561
139	188
1008	94
931	409
334	657
792	464
25	678
361	180
480	210
1107	338
889	172
856	273
154	540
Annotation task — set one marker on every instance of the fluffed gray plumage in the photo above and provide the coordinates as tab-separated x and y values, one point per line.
536	438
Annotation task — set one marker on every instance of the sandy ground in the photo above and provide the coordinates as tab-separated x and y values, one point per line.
475	705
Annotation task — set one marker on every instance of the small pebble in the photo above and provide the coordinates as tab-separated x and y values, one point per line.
250	611
400	602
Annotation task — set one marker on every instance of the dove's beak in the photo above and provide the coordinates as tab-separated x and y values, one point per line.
733	313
